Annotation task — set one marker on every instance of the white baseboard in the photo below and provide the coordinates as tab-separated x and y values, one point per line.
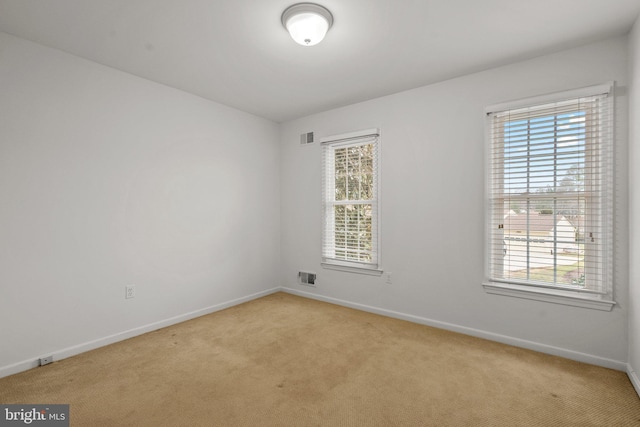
633	376
543	348
516	342
101	342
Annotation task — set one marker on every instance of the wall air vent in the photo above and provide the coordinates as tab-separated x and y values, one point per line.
306	138
306	278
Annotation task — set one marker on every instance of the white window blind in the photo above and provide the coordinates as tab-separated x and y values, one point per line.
550	194
350	199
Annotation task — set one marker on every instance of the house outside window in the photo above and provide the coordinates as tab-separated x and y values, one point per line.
549	194
350	202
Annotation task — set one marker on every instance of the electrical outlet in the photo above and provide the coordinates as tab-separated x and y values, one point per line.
129	291
46	360
387	276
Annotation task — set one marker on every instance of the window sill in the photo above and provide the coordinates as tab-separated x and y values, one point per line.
351	269
549	295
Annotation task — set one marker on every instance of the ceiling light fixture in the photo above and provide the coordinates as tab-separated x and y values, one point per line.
307	22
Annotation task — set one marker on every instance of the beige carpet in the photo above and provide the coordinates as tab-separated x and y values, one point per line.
283	360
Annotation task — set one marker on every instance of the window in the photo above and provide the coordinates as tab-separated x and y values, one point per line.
550	190
350	202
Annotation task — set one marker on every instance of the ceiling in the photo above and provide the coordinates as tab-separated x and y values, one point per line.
236	52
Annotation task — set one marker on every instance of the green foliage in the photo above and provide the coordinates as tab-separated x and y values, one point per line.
563	274
578	281
354	173
354	182
572	182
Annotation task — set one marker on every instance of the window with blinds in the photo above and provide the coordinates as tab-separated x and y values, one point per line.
550	193
350	199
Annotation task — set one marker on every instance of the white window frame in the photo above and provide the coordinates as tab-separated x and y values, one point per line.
329	258
602	298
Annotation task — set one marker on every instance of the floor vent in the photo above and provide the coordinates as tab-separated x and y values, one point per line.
306	278
306	138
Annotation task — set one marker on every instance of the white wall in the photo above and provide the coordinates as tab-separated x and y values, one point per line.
107	180
432	202
634	204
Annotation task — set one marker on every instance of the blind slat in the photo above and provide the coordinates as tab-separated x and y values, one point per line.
550	180
350	193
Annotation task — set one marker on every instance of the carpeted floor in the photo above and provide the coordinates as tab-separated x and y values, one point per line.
283	360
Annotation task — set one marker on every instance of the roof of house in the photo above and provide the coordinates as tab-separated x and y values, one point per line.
578	222
537	222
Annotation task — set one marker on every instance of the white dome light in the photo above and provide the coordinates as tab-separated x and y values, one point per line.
307	23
